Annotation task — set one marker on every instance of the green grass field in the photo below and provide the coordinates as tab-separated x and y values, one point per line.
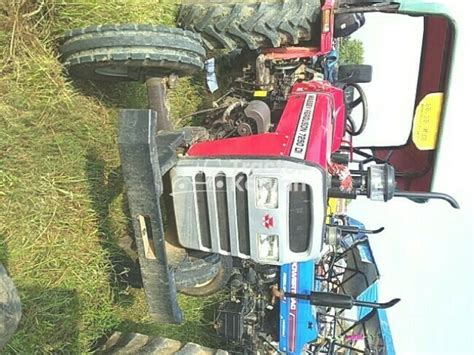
62	220
63	229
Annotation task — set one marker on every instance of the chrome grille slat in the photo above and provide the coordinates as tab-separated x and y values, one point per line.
201	210
220	182
232	211
213	216
214	220
243	219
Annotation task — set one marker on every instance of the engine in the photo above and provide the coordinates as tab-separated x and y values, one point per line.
258	94
248	321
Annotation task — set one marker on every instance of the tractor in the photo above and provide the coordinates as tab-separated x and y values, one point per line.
242	198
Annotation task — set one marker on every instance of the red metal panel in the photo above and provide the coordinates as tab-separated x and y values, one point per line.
434	63
285	53
289	119
434	69
267	144
325	43
321	133
327	37
322	138
339	108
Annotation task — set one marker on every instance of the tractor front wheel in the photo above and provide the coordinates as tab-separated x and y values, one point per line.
131	52
215	284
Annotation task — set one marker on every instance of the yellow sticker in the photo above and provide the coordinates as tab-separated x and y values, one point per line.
260	93
332	206
331	209
336	206
427	121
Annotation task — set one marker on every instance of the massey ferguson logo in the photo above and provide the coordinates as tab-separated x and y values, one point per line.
300	144
267	221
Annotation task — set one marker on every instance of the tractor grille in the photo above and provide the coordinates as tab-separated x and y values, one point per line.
300	213
215	204
221	209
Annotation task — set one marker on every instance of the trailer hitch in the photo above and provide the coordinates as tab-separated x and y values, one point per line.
335	300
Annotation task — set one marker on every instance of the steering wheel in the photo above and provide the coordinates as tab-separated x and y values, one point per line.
350	106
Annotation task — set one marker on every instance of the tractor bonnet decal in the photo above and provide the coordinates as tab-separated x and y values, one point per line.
300	143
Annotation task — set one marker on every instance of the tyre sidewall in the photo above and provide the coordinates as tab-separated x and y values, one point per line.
10	307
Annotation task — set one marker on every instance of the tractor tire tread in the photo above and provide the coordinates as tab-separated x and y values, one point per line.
133	343
148	48
253	25
10	307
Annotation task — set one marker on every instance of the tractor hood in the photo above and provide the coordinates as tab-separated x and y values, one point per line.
311	128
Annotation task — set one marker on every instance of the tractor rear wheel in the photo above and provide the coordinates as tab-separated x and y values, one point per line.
131	52
10	307
253	24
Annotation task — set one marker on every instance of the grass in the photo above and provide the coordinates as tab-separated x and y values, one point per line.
62	220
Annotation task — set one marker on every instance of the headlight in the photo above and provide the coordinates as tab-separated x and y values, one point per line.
268	247
381	182
267	192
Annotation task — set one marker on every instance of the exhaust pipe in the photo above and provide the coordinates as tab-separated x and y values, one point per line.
335	300
429	195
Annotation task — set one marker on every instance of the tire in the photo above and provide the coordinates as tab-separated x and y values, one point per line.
346	24
253	25
217	283
10	307
133	343
131	52
354	74
362	2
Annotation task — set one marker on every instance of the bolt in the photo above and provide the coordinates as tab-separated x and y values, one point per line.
172	81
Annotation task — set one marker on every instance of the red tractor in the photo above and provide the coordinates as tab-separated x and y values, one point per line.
251	184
